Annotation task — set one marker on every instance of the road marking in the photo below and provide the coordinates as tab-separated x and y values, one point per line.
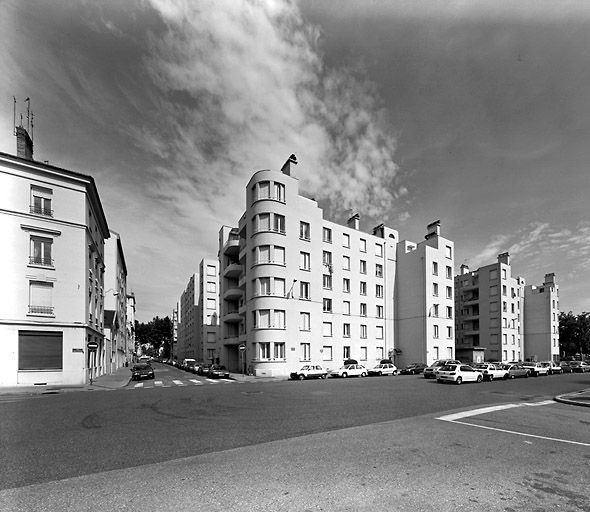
139	385
195	381
453	418
179	383
227	381
158	383
211	381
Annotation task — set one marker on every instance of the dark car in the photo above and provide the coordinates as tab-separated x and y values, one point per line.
413	369
142	371
204	369
565	367
579	366
217	372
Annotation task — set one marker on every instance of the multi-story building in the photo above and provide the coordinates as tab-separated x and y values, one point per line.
187	320
115	303
424	299
541	321
296	288
208	311
52	276
131	305
490	311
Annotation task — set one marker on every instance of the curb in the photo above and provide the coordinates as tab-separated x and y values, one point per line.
581	398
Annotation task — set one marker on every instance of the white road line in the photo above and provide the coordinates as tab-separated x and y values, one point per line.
158	383
211	381
179	383
227	381
195	381
453	418
138	385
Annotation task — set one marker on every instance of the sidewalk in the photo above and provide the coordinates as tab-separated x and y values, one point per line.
579	398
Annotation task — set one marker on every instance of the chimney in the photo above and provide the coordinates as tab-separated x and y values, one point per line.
549	279
464	269
433	229
24	144
354	221
286	169
504	258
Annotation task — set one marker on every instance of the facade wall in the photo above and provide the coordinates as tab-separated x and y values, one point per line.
187	325
208	312
542	321
53	273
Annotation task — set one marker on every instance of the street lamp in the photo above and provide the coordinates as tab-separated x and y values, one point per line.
290	292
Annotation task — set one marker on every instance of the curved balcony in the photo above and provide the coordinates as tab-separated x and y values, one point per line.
233	317
232	246
233	293
233	270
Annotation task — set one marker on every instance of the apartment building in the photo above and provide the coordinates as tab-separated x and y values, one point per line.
115	304
52	301
208	311
131	308
187	332
424	299
490	312
297	288
541	321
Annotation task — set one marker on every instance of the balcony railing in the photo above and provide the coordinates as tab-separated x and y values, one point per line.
36	260
41	310
39	210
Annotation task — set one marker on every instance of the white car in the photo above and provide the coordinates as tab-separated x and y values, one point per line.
430	371
535	368
310	371
492	371
552	367
350	370
458	373
384	369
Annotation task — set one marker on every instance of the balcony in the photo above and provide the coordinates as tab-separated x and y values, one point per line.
43	262
232	246
39	210
40	310
233	270
232	317
232	293
473	299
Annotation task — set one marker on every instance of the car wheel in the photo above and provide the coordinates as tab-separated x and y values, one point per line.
379	373
512	376
506	376
480	378
439	381
363	374
301	376
526	375
491	377
344	375
459	380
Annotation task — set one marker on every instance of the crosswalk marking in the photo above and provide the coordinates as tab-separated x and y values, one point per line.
179	383
158	383
195	381
138	385
212	381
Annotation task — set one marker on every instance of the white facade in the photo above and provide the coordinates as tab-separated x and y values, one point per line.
541	321
208	311
424	299
187	330
52	299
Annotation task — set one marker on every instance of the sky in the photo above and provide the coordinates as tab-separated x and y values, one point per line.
475	113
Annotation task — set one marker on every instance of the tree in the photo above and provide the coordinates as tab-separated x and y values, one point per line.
574	334
156	335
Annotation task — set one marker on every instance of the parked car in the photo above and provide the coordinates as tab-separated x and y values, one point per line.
142	371
218	372
565	367
492	371
413	369
579	366
535	368
204	369
458	373
516	370
309	371
350	370
430	371
552	367
384	369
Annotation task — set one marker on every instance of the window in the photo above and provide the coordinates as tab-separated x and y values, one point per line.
363	309
346	307
261	222
327	235
279	223
493	307
503	273
346	240
448	251
261	190
379	332
504	307
363	332
327	329
41	201
363	288
379	311
279	192
264	286
346	263
211	286
379	352
327	259
304	321
264	350
327	353
363	267
327	281
279	322
40	298
305	351
279	350
210	337
346	285
379	250
435	268
379	290
435	352
279	287
346	352
504	291
327	305
304	290
493	274
279	255
449	332
211	304
40	350
449	352
379	270
435	333
435	310
513	339
504	339
346	330
40	253
435	289
304	261
262	254
211	270
363	245
304	231
493	290
449	311
449	292
263	318
363	353
449	272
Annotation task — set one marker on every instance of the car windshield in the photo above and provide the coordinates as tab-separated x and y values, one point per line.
448	367
142	367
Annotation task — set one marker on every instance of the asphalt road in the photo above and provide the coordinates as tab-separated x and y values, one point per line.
151	436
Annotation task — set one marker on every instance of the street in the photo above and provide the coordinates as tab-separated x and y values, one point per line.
336	444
